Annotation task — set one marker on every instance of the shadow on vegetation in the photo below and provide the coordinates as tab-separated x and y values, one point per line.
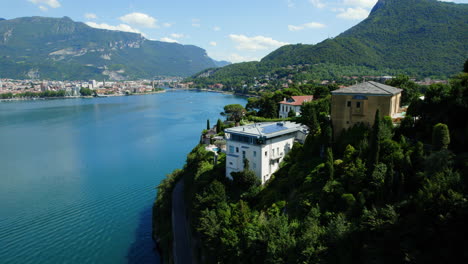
143	249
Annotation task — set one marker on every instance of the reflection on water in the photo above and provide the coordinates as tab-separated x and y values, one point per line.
78	176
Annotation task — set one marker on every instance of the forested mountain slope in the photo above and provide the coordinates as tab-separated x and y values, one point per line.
59	48
421	38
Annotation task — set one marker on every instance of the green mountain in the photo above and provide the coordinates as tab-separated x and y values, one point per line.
415	37
59	48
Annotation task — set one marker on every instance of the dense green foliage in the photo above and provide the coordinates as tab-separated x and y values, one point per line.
59	48
378	194
421	38
234	112
162	208
45	94
86	92
266	105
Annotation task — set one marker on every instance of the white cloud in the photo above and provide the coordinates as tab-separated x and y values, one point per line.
43	8
139	19
90	16
255	43
50	3
291	3
338	9
167	25
214	44
234	57
360	3
121	27
216	28
317	3
354	13
306	25
165	39
177	36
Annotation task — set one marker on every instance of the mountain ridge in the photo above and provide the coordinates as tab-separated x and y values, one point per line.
60	48
422	38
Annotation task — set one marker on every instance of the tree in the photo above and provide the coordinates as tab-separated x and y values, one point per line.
86	92
329	164
219	126
410	88
309	117
375	141
234	112
208	124
245	179
440	137
292	113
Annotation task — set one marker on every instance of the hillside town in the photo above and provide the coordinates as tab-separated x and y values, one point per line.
11	88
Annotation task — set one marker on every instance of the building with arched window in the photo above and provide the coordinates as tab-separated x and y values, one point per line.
358	104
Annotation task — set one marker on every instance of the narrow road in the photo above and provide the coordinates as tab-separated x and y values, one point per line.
182	250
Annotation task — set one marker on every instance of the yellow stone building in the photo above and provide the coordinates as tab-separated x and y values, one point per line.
358	104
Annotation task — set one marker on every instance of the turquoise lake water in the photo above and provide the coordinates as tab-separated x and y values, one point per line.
78	176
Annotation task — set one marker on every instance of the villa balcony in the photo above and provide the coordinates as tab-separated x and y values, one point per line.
276	156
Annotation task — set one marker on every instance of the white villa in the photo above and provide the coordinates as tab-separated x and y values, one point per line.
264	145
293	103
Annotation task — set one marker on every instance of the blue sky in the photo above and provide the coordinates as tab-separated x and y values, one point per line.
240	30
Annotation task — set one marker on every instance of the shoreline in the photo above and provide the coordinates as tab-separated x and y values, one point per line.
213	91
75	97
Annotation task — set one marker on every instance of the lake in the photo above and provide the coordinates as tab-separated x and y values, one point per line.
78	176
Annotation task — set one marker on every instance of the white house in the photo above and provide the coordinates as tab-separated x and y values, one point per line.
293	103
264	145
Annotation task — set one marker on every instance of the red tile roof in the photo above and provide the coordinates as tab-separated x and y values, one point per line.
298	100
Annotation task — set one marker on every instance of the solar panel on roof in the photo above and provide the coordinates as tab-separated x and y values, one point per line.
273	128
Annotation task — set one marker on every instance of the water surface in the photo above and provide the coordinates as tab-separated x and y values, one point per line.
78	176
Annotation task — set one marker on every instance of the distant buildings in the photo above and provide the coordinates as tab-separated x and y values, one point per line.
294	103
264	145
92	84
358	104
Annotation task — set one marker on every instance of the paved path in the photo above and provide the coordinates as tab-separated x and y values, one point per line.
182	250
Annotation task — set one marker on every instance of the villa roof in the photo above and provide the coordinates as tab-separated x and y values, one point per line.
369	88
297	100
266	129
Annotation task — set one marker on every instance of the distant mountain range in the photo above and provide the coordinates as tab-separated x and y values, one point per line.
416	37
59	48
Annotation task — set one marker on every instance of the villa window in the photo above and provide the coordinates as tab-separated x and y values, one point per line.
349	103
243	154
255	153
358	104
231	149
266	153
237	149
254	165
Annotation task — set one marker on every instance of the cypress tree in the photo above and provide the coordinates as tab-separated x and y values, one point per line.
329	163
219	126
208	124
440	137
375	141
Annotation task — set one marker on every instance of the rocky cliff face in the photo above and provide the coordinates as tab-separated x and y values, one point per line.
64	49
